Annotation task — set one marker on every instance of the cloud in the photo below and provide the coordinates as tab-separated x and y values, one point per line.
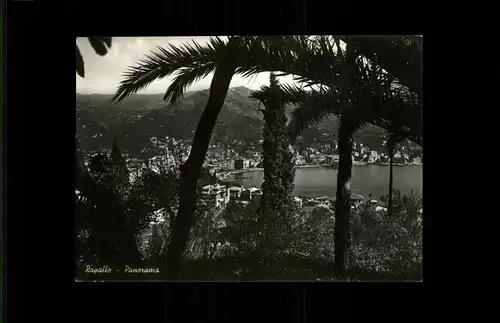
103	73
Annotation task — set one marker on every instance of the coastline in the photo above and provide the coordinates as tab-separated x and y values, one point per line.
257	169
224	175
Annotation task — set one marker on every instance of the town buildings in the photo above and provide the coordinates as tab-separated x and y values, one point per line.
215	195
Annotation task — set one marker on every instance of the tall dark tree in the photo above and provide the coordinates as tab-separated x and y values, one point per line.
190	171
345	145
392	142
402	120
357	103
276	207
352	96
276	189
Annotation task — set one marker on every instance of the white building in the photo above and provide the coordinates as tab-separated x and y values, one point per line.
254	192
219	193
298	200
300	161
215	195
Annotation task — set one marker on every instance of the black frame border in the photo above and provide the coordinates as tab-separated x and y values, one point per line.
33	117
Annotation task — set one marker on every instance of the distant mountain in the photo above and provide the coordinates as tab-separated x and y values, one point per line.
135	102
244	91
136	119
139	117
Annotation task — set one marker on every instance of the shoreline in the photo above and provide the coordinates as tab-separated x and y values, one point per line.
257	169
225	175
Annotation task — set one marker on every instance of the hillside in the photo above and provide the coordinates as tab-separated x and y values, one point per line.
136	119
139	117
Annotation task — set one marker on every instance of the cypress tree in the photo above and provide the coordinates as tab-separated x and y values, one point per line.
277	203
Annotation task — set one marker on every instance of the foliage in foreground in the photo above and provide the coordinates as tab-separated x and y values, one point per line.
382	248
149	202
389	246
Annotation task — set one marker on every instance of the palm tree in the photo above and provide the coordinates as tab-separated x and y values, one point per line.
375	104
392	141
401	125
357	102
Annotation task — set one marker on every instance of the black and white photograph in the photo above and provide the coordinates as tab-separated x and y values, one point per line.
249	158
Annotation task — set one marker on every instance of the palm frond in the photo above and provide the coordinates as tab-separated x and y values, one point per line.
313	106
193	59
308	62
399	55
100	44
83	202
402	115
184	78
371	90
286	54
80	67
261	94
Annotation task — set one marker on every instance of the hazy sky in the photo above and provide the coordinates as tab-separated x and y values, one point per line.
103	73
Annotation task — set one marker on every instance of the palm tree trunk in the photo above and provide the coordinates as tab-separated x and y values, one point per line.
389	202
392	142
191	170
342	204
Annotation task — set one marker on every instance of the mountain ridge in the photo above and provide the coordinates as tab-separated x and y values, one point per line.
141	116
133	121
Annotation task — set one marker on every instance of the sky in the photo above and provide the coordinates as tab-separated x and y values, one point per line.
103	73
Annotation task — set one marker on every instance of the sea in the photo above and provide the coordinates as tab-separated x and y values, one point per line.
366	180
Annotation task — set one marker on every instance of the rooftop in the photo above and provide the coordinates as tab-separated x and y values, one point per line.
356	196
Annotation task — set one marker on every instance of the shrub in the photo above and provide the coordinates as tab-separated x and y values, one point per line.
391	247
